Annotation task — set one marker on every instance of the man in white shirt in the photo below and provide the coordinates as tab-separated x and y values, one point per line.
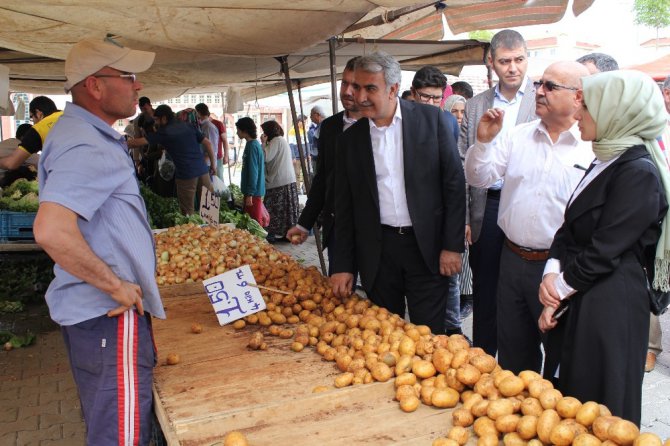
541	163
400	201
515	94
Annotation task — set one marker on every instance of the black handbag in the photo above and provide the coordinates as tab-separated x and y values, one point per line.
659	300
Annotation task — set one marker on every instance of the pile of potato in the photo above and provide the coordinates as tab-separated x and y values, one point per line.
368	343
191	253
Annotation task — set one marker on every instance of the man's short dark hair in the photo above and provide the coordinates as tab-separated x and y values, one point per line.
462	88
164	111
508	39
429	76
405	94
144	101
248	126
351	63
43	104
603	62
202	109
21	130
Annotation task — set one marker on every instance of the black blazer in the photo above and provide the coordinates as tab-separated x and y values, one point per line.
320	199
434	185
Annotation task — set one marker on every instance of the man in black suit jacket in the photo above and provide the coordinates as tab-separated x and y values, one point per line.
320	199
400	200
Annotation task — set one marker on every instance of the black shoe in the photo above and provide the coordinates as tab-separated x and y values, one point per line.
466	308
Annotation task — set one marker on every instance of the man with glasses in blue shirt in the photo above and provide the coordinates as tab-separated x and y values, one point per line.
540	163
93	223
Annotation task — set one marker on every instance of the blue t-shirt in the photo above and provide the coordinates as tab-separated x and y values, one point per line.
85	167
182	142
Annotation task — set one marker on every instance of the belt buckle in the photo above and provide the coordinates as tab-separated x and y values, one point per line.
400	228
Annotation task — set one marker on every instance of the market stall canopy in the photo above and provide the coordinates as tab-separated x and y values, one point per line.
204	44
659	68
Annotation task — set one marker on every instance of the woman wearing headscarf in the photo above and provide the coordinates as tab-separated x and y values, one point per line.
612	226
281	191
455	104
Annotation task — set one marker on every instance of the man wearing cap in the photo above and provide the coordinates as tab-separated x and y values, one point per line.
93	223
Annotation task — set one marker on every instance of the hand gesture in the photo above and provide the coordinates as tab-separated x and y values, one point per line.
547	321
342	284
127	295
296	235
548	294
450	263
490	125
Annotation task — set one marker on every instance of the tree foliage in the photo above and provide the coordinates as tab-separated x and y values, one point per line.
483	35
652	13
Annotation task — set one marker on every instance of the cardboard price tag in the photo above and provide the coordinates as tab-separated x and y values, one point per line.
232	296
209	207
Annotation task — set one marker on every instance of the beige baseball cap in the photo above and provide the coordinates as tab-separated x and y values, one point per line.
91	55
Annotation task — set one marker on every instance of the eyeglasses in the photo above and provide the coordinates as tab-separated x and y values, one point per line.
131	76
551	86
429	97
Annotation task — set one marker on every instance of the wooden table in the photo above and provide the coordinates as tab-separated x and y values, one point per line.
220	386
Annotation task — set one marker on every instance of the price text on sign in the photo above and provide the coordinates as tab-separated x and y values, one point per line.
231	295
209	207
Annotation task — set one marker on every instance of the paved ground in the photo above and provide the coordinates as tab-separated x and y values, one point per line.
39	404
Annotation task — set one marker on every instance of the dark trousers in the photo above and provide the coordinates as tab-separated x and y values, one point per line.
519	309
485	264
404	274
112	362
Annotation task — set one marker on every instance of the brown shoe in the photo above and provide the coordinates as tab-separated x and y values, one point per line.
651	362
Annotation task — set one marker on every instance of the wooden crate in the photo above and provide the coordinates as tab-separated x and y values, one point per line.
220	386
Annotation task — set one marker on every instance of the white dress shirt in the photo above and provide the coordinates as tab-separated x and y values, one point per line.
347	121
387	150
554	265
511	114
539	177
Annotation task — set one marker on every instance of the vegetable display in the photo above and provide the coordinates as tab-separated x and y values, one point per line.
367	343
20	196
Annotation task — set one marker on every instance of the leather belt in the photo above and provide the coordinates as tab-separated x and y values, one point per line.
402	230
532	255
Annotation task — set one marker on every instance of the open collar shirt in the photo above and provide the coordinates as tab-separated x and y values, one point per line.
86	168
539	178
387	150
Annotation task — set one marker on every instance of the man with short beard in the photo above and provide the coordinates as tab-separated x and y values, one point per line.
515	94
321	197
541	163
400	201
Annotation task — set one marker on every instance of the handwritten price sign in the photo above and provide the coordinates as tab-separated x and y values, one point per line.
231	295
209	207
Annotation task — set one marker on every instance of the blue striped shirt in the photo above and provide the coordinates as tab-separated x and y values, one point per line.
85	167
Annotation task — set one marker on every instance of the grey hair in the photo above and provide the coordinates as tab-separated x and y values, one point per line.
666	83
381	62
508	39
603	62
318	110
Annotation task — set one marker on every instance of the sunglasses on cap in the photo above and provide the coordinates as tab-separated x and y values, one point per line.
551	86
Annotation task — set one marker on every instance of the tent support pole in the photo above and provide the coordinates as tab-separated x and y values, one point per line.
283	61
304	134
333	73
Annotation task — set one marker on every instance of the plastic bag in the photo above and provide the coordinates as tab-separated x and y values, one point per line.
166	167
219	186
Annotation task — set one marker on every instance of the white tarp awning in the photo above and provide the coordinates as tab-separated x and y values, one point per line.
212	44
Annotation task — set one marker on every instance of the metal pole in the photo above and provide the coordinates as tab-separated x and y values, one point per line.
283	61
333	73
304	133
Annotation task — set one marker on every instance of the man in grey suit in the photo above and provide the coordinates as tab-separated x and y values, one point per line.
515	94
